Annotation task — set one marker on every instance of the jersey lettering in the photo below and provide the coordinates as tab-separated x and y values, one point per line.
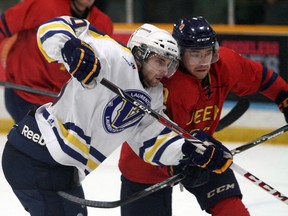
207	114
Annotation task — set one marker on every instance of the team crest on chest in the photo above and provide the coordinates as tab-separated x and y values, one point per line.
120	114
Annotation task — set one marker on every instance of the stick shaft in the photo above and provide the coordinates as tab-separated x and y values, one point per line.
27	89
259	140
234	114
138	195
258	182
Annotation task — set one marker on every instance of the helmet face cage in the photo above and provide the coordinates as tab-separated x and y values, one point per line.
195	34
150	39
145	52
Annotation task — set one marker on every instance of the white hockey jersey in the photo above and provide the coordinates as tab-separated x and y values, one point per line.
84	125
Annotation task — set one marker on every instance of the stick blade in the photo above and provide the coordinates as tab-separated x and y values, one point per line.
237	111
90	203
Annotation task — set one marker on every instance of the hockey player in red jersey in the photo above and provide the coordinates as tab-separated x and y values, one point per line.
25	65
194	99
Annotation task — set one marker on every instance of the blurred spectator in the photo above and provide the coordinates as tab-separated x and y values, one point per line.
25	64
249	12
276	12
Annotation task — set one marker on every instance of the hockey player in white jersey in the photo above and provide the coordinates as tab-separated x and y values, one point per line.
56	145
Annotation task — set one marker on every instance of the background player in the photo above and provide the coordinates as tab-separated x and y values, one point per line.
195	95
25	65
84	125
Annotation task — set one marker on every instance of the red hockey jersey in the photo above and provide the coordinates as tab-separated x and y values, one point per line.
193	105
25	64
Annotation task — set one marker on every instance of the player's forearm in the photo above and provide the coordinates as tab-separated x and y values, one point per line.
272	85
161	149
52	36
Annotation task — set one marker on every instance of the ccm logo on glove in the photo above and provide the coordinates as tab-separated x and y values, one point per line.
80	57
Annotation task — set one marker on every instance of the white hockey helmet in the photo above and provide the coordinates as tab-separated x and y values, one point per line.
148	38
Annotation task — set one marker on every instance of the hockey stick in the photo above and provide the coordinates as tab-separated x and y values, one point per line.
170	182
258	182
259	140
27	89
235	113
171	125
113	204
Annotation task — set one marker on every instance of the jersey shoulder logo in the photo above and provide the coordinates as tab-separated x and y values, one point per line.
120	114
131	64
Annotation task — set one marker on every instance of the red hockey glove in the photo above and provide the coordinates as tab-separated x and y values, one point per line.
216	157
282	101
80	57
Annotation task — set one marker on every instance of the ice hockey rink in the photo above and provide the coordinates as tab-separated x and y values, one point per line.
267	162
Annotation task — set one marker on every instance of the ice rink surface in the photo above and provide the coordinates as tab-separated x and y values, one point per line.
267	162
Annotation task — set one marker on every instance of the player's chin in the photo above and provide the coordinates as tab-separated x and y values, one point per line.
155	82
88	3
200	74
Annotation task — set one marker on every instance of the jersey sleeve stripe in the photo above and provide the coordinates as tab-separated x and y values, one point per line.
150	153
98	155
92	165
153	149
270	82
159	153
76	144
49	34
50	29
74	147
73	140
5	30
68	150
79	131
150	142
